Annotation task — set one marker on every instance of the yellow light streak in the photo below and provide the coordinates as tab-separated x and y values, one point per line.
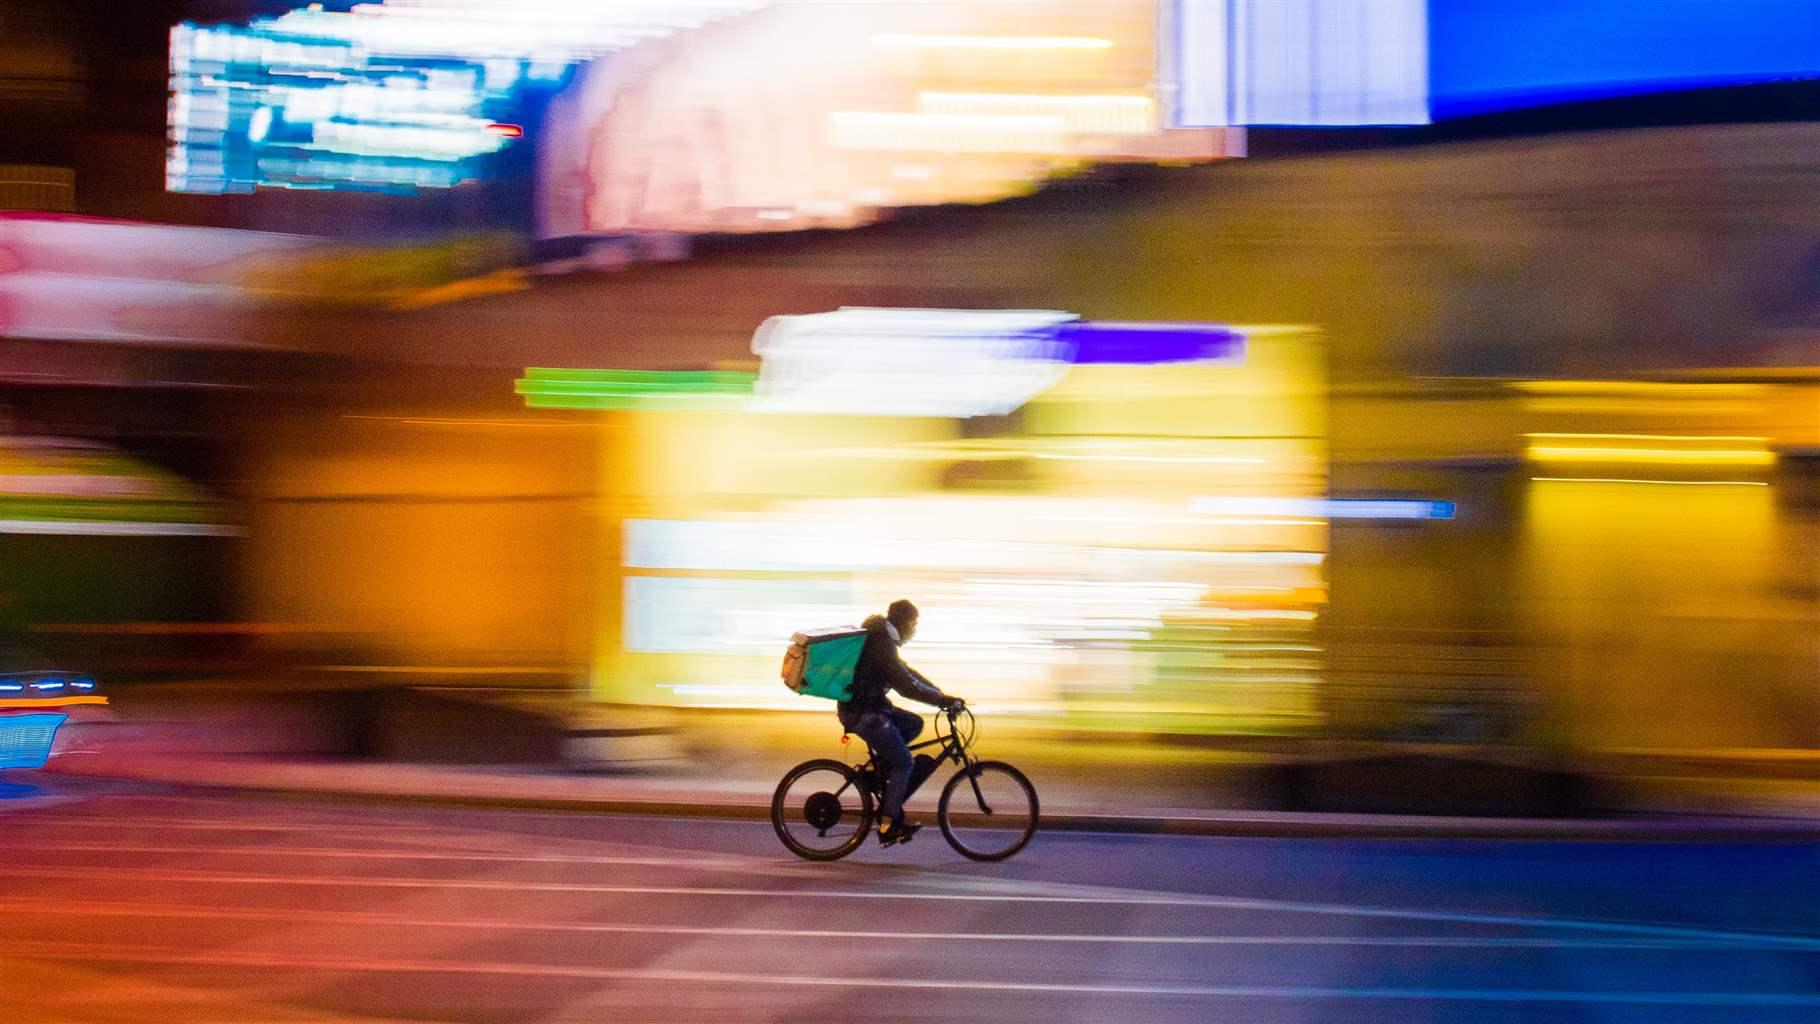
1633	387
1252	614
1665	483
1657	437
1246	460
1643	406
1707	456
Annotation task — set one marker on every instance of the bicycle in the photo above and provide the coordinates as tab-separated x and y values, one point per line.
824	808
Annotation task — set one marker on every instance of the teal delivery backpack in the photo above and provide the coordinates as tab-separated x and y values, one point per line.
820	662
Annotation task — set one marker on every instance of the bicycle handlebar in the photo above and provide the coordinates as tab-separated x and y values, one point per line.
953	714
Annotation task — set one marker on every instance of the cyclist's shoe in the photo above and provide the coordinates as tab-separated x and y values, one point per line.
898	832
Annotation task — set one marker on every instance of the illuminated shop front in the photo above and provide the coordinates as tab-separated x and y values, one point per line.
1048	490
1631	565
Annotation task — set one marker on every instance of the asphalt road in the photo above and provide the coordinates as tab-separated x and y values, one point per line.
144	905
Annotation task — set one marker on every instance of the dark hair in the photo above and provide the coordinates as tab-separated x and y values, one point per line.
900	612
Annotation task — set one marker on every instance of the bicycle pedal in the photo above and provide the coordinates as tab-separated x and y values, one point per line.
902	835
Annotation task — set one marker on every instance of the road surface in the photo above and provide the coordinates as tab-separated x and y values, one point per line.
137	904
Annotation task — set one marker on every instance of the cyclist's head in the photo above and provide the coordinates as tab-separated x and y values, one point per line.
902	614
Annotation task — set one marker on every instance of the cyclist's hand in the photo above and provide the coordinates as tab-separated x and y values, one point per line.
953	704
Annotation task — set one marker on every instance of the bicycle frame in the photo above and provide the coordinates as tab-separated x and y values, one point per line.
952	749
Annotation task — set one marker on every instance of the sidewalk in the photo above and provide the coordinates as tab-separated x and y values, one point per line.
1098	796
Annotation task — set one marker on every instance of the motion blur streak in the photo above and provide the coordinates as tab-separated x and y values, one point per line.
1671	483
991	42
1716	456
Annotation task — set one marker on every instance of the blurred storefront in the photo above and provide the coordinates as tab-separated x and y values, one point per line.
402	541
125	381
1224	545
1047	524
1580	609
1633	565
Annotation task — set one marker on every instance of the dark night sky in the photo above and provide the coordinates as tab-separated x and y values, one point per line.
118	54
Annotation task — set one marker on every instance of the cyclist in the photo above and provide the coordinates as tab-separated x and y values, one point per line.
889	730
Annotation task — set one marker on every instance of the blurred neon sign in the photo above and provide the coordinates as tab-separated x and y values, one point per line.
953	362
909	362
548	388
897	362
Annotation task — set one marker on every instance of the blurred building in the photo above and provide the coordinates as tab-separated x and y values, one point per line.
1596	353
1593	451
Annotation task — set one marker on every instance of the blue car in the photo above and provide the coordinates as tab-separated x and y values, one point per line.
33	706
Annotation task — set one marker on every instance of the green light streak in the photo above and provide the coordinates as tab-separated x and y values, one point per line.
553	388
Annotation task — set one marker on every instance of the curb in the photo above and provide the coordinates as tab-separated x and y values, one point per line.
1252	824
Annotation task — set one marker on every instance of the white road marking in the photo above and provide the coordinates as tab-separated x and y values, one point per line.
191	912
77	951
1114	898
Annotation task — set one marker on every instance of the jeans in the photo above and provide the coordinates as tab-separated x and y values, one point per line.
889	733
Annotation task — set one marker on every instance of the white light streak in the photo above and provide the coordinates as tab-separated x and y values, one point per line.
973	42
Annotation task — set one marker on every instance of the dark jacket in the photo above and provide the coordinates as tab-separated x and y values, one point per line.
880	670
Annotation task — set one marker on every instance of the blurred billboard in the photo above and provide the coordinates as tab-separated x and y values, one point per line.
705	115
824	114
1490	55
395	95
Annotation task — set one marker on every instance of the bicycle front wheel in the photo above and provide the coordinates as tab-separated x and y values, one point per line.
821	811
988	811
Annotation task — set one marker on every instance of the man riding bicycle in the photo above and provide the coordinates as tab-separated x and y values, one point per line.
889	730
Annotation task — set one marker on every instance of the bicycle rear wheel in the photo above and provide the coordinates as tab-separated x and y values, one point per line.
821	811
989	811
